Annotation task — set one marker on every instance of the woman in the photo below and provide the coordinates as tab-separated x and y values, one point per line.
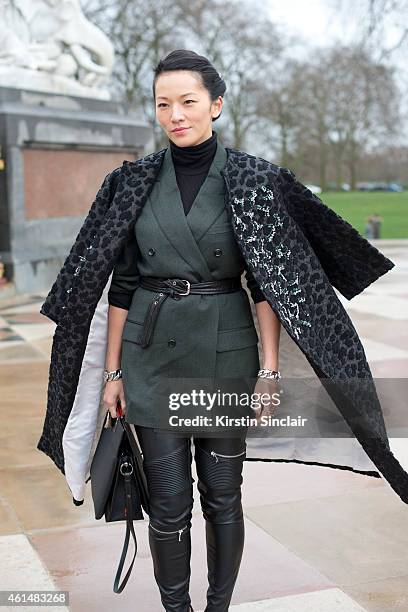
211	335
164	216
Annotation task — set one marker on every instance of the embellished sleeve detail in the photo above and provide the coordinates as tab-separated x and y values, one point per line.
125	278
350	261
261	231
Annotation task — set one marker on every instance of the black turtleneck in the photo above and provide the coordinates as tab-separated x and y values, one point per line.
191	165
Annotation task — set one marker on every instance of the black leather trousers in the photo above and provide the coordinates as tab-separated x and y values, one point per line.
167	464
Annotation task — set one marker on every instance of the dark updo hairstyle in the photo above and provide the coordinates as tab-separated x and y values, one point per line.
183	59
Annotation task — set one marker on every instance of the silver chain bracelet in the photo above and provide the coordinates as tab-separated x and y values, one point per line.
114	375
265	373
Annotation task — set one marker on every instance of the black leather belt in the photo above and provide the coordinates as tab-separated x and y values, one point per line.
178	288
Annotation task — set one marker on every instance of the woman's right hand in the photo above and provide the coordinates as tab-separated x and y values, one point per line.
113	394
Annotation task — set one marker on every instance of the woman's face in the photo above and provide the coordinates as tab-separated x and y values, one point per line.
183	102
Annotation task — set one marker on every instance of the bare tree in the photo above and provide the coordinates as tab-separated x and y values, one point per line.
363	106
282	105
375	18
342	103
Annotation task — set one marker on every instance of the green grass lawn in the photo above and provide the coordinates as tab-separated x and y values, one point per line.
356	206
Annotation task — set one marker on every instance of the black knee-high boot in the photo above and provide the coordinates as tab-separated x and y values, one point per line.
219	484
171	553
225	544
171	503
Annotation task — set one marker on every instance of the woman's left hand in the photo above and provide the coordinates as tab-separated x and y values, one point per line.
266	388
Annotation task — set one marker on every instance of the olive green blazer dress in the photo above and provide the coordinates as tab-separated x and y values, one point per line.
197	336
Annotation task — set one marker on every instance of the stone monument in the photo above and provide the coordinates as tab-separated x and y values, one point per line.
60	133
49	45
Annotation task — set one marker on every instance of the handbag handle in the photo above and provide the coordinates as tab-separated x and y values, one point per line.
127	474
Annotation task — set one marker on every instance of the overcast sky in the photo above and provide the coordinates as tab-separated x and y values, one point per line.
312	20
320	21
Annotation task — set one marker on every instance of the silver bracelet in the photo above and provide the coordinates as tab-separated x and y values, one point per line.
114	375
265	373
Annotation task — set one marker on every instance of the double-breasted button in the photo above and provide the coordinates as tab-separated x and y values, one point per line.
171	342
151	251
217	252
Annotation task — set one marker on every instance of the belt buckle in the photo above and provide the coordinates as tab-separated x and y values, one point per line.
188	286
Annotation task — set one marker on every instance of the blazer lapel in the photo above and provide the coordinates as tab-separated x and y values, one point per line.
210	201
183	231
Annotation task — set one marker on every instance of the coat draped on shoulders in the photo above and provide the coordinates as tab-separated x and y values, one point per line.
297	250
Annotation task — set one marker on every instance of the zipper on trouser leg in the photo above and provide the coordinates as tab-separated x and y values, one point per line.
179	531
216	455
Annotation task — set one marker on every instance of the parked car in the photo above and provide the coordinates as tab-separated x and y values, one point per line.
332	186
364	186
379	186
395	187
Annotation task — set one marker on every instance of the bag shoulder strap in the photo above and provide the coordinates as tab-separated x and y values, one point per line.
118	588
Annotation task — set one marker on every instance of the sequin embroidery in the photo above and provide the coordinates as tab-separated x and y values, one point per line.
262	225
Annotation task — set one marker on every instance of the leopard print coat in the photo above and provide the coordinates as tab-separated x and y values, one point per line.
297	250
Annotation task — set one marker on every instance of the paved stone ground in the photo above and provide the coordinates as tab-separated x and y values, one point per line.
317	539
